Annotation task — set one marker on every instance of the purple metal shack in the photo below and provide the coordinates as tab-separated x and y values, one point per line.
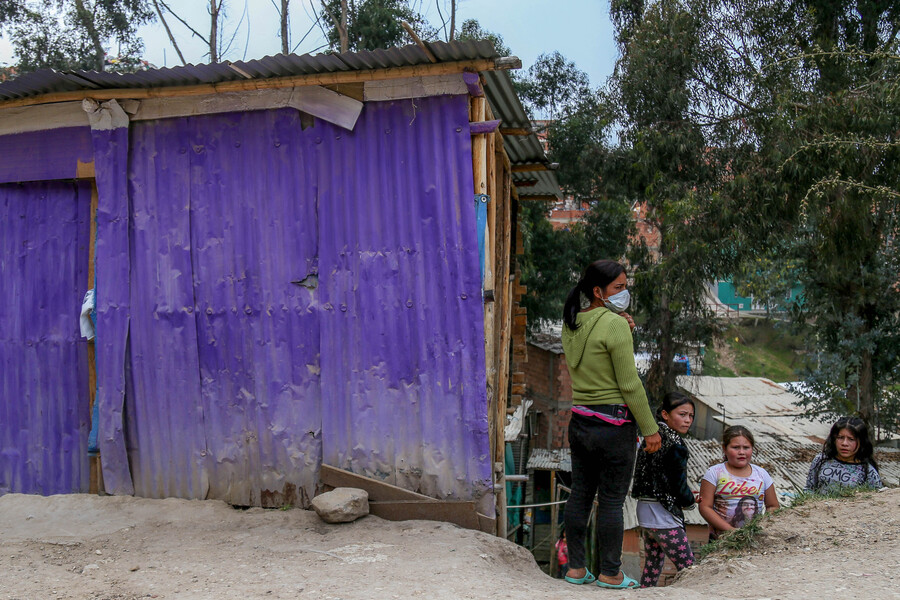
280	283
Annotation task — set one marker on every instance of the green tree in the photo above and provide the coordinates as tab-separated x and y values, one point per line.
817	174
73	34
577	136
666	166
552	85
373	24
554	258
471	31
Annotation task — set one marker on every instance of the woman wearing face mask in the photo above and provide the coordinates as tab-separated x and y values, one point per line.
609	406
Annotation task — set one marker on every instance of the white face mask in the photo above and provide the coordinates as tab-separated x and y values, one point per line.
618	302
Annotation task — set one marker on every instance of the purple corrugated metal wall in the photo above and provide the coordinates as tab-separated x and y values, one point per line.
403	370
44	397
224	343
271	297
244	380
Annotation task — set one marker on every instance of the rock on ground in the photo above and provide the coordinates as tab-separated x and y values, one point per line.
341	505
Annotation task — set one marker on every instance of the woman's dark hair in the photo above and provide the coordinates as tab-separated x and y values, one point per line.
598	274
859	429
736	431
673	400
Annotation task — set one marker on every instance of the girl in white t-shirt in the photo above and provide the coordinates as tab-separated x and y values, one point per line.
735	491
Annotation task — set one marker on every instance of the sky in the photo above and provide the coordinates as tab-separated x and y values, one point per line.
579	29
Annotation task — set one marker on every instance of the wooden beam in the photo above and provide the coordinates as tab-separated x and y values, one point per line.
529	167
377	490
456	512
480	127
516	131
334	78
548	197
473	83
418	41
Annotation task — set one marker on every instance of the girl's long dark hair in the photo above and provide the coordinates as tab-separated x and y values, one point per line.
864	451
673	400
598	274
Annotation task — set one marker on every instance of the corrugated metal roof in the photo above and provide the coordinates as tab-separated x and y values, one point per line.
499	89
786	461
761	405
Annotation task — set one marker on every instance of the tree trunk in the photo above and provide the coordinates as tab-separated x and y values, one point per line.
342	30
86	18
285	42
661	376
214	6
452	19
862	393
162	20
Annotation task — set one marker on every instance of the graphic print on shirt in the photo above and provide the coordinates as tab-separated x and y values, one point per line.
738	499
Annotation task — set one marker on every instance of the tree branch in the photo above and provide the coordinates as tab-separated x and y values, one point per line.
183	22
162	19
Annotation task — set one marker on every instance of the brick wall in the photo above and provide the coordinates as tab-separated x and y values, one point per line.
549	386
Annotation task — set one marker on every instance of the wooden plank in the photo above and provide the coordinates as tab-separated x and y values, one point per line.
545	197
268	83
40	118
473	84
480	127
487	524
315	100
459	512
516	131
529	167
45	155
377	490
554	524
85	170
353	90
95	474
418	41
415	87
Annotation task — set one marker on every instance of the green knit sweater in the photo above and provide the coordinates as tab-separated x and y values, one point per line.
600	357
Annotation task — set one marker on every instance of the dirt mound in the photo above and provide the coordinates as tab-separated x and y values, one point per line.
821	549
122	548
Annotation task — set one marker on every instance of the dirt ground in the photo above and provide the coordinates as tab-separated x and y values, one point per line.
123	548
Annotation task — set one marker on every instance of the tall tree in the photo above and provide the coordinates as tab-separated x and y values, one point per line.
552	85
74	34
371	24
818	169
666	167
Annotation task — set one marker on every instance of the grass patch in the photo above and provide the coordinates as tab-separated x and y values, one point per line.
736	540
766	349
837	493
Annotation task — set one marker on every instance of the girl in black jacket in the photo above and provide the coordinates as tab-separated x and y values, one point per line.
662	493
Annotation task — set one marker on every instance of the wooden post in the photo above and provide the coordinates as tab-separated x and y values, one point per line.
554	517
495	423
95	476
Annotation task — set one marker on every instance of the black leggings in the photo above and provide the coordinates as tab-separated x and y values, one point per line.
602	463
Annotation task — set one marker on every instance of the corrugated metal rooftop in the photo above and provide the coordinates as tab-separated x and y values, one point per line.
499	89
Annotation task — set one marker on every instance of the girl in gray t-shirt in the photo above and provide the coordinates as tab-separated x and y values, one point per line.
846	459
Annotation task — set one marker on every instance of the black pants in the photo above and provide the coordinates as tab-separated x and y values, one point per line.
602	463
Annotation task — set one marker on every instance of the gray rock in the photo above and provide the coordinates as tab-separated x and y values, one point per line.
341	505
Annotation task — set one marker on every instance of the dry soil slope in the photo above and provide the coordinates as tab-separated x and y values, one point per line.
125	548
